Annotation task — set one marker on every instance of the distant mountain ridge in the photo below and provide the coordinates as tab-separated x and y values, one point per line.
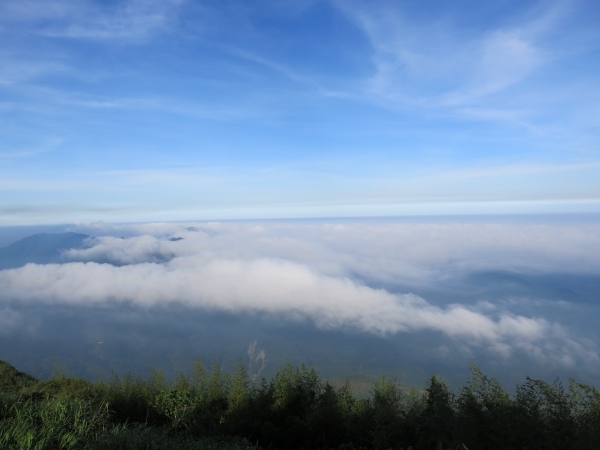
43	248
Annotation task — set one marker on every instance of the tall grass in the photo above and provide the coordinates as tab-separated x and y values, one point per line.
50	423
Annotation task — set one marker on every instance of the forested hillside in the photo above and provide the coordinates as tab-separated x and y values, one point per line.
296	409
11	380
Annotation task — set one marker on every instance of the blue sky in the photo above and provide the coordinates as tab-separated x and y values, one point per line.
181	110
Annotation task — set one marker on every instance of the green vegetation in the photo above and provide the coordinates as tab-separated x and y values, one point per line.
11	380
210	409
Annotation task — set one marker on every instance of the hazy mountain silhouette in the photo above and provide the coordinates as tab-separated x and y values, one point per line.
41	248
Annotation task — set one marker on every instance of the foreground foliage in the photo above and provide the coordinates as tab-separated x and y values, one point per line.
215	410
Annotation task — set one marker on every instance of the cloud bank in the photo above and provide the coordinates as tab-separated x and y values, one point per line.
262	285
318	272
377	251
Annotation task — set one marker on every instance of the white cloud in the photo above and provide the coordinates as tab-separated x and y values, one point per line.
438	63
457	67
505	58
378	251
312	272
268	286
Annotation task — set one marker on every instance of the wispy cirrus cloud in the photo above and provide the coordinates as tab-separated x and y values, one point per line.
34	53
133	19
437	64
450	66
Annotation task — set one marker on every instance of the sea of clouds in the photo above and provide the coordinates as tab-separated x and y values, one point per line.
334	275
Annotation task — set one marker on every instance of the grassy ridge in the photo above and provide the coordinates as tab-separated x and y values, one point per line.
210	409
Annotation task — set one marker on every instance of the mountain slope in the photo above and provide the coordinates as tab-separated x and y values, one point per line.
41	248
13	380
